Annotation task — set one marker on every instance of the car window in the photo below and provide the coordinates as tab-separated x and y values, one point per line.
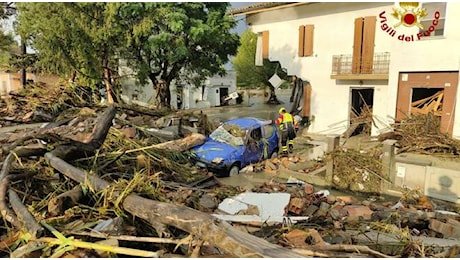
228	133
269	130
256	134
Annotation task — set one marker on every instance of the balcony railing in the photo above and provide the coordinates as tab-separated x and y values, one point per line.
342	67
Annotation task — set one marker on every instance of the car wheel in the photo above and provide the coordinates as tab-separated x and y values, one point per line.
234	170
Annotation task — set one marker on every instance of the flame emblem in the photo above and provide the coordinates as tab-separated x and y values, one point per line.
409	14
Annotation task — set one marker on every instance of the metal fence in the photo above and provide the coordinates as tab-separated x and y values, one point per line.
342	64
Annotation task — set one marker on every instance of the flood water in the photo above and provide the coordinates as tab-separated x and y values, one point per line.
254	106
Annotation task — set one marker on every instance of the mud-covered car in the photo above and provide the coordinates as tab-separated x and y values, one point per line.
236	144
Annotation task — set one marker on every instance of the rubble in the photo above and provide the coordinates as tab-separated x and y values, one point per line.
84	180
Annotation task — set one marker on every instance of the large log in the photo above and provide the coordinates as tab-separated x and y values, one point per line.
204	226
74	149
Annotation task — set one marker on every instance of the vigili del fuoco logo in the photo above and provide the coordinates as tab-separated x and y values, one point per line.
409	14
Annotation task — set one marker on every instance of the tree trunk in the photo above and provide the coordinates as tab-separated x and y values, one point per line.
108	86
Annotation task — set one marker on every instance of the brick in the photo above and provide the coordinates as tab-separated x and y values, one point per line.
308	189
347	199
296	205
270	165
448	230
358	212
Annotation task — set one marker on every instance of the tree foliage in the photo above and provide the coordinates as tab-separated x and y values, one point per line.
7	43
250	75
166	41
72	37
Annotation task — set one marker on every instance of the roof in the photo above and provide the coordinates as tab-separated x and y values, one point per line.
262	6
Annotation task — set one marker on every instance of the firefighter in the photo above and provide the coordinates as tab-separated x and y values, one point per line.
285	121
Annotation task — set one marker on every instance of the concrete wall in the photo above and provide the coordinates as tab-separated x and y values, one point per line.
333	35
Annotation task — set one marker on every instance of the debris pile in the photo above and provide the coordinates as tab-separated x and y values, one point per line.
421	133
97	181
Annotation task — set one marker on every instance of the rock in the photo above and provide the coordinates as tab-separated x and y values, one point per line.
358	212
331	199
366	203
323	209
310	210
338	213
207	202
347	199
301	165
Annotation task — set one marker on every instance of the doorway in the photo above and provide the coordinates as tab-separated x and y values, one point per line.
361	116
223	95
418	86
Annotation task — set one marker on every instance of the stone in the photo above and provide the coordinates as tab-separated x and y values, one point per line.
323	209
338	213
331	199
108	242
297	238
347	199
310	210
358	212
207	202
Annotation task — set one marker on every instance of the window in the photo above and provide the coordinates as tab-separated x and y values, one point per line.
269	130
432	10
262	48
363	45
306	40
256	134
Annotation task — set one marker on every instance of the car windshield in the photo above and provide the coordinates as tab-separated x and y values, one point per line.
230	134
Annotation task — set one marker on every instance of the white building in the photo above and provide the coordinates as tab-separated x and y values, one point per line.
183	95
355	51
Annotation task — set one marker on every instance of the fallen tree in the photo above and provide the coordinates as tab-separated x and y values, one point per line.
201	225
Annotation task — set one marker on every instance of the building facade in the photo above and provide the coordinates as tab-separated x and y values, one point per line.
397	59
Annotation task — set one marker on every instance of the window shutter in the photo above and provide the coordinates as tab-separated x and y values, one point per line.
358	35
259	58
368	44
265	44
301	40
308	41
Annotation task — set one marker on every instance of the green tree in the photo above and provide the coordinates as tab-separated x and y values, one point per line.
7	44
73	37
248	74
166	41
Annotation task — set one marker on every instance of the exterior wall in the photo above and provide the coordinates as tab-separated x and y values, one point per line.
441	53
333	35
12	81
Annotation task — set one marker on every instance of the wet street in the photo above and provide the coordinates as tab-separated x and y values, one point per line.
254	106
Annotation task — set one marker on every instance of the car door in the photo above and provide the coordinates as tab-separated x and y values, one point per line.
254	146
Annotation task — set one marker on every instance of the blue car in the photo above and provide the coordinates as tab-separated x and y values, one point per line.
236	144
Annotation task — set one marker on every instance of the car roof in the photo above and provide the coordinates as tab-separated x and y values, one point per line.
248	122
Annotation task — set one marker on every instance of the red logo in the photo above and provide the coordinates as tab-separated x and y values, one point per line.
409	14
